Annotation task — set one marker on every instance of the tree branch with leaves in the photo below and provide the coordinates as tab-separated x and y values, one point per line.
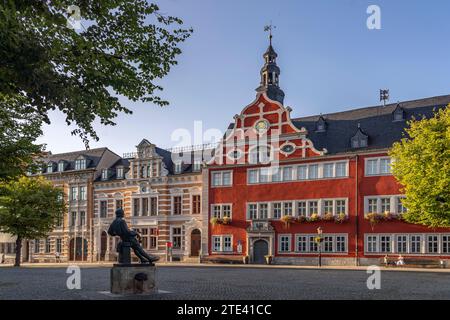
123	49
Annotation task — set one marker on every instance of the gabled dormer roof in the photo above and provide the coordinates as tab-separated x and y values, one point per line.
360	133
321	124
399	113
144	142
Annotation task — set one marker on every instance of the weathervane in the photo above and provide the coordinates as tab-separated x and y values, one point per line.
269	28
384	95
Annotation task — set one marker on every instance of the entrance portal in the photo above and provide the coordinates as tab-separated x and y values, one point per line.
78	248
195	242
260	250
103	240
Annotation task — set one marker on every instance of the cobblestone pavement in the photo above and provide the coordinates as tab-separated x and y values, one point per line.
228	283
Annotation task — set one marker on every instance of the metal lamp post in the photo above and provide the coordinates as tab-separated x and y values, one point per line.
319	240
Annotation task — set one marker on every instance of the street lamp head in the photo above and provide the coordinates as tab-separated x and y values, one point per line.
319	230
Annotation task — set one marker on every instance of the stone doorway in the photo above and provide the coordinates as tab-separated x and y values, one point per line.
103	245
260	250
196	239
78	248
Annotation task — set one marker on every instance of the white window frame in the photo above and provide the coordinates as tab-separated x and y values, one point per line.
80	164
295	207
423	244
378	166
277	173
221	174
221	238
289	236
254	173
80	194
221	205
120	173
157	206
105	174
181	235
172	204
100	208
393	203
192	195
334	236
178	167
74	195
197	166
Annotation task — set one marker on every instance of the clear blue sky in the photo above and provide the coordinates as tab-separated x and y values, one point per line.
329	62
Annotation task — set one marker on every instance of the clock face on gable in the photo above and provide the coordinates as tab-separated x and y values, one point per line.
261	126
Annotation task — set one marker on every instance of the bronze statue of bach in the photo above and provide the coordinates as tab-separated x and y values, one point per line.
129	239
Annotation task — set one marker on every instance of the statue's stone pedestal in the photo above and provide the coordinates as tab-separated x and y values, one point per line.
133	278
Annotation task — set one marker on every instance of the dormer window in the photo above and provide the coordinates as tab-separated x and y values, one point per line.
80	164
119	173
197	165
105	174
321	125
177	167
360	139
61	166
50	167
399	113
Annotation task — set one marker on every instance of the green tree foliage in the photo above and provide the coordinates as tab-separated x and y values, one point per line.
18	131
422	166
122	49
29	209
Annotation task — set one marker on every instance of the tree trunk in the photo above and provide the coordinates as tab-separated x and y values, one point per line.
18	251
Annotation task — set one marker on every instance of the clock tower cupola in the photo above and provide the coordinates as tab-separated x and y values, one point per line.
270	73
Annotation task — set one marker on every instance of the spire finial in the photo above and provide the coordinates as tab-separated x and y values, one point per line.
269	28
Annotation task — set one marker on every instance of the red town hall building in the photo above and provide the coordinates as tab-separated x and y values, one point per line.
275	180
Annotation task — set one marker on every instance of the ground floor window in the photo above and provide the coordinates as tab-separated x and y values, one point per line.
385	243
37	246
415	244
217	244
313	247
402	241
149	238
302	244
432	244
59	245
445	243
407	243
222	243
341	243
328	244
7	247
47	245
332	243
176	237
153	238
284	243
372	243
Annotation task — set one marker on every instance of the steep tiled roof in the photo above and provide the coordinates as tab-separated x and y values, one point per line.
377	122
